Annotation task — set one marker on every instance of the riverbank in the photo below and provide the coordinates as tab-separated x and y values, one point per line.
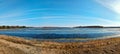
16	45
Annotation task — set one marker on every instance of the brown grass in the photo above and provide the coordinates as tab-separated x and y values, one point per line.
16	45
106	46
16	40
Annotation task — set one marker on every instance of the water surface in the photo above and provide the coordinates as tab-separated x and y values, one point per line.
63	33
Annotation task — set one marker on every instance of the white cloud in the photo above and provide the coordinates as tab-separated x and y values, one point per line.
113	5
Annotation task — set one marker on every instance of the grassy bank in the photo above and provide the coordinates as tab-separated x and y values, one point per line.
16	45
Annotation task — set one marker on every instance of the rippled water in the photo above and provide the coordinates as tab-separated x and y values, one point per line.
39	33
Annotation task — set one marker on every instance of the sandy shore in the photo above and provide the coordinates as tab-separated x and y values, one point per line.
16	45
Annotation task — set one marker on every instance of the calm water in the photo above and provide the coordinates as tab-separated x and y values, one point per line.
39	33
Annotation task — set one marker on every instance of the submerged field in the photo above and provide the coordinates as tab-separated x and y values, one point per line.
16	45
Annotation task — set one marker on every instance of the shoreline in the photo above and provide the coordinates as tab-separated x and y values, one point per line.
17	45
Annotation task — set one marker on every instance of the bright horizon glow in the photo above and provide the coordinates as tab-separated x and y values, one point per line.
60	12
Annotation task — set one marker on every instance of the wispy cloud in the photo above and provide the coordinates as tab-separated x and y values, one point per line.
108	22
113	5
102	21
62	17
75	17
11	14
40	9
19	20
32	14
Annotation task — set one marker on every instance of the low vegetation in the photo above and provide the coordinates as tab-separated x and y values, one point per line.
10	27
107	46
89	27
16	45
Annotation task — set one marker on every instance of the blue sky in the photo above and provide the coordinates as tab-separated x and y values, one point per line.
60	12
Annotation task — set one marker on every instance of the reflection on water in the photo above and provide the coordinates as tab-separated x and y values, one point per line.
39	33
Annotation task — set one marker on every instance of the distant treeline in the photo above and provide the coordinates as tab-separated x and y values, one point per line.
9	27
95	27
89	27
45	28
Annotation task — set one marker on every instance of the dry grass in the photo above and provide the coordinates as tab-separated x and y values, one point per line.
16	40
106	46
15	45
